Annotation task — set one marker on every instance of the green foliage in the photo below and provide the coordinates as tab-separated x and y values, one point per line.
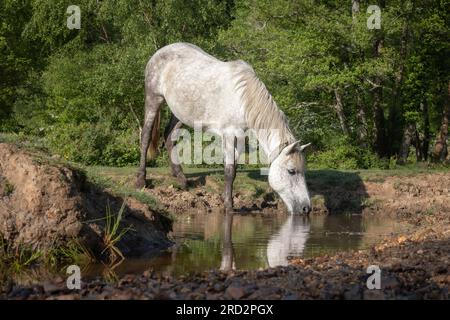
9	189
80	89
94	143
113	233
16	259
342	154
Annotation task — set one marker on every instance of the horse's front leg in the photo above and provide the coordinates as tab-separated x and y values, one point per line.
230	170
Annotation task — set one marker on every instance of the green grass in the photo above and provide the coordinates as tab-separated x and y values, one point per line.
16	260
19	260
73	252
9	189
113	233
104	181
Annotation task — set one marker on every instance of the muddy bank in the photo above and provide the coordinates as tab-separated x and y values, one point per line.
203	194
45	204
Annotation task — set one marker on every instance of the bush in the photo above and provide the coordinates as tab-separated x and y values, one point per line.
122	150
94	144
342	154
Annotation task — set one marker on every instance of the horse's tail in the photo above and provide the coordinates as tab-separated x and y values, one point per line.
154	138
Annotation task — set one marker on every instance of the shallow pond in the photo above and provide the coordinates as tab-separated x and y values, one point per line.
253	241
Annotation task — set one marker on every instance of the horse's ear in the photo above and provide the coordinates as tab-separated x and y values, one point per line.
295	147
303	147
291	148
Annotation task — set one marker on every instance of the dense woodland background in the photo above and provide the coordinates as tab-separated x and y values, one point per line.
364	98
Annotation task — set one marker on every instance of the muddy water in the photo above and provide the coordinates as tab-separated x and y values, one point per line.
253	241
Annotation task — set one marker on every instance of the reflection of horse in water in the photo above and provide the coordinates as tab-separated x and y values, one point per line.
227	262
289	241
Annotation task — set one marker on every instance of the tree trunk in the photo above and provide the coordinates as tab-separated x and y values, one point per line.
426	131
379	122
447	159
340	112
355	8
417	145
393	130
440	148
362	130
407	140
378	113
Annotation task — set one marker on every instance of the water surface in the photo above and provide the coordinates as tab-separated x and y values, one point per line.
205	241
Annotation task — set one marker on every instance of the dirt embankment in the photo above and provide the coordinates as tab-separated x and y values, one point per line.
44	205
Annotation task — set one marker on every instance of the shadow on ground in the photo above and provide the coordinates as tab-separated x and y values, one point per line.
332	191
335	191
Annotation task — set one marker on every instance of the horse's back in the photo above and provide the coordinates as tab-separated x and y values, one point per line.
195	85
182	57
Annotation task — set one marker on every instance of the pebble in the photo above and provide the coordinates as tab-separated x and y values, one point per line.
235	292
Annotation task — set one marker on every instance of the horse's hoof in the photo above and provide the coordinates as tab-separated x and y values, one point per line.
182	182
140	183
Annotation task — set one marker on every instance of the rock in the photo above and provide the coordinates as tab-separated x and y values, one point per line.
218	287
51	287
373	295
353	294
67	297
235	292
389	282
21	293
185	290
290	296
122	296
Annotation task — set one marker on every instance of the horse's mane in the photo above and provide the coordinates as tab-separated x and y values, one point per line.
261	111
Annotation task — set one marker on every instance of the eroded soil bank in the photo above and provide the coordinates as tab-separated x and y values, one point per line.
45	204
414	265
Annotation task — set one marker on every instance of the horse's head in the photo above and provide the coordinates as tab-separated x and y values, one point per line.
287	178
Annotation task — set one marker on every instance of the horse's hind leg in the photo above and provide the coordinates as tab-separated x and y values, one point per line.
152	105
173	125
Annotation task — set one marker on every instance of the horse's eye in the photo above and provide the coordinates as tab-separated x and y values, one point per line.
291	171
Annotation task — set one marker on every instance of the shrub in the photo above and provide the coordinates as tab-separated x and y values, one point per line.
342	154
94	144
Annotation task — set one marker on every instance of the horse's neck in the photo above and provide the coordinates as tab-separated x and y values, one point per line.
272	142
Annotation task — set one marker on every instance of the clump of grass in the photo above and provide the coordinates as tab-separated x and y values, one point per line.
259	192
113	233
370	202
9	189
15	260
73	252
318	201
22	261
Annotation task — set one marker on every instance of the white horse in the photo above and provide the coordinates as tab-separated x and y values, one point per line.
227	98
